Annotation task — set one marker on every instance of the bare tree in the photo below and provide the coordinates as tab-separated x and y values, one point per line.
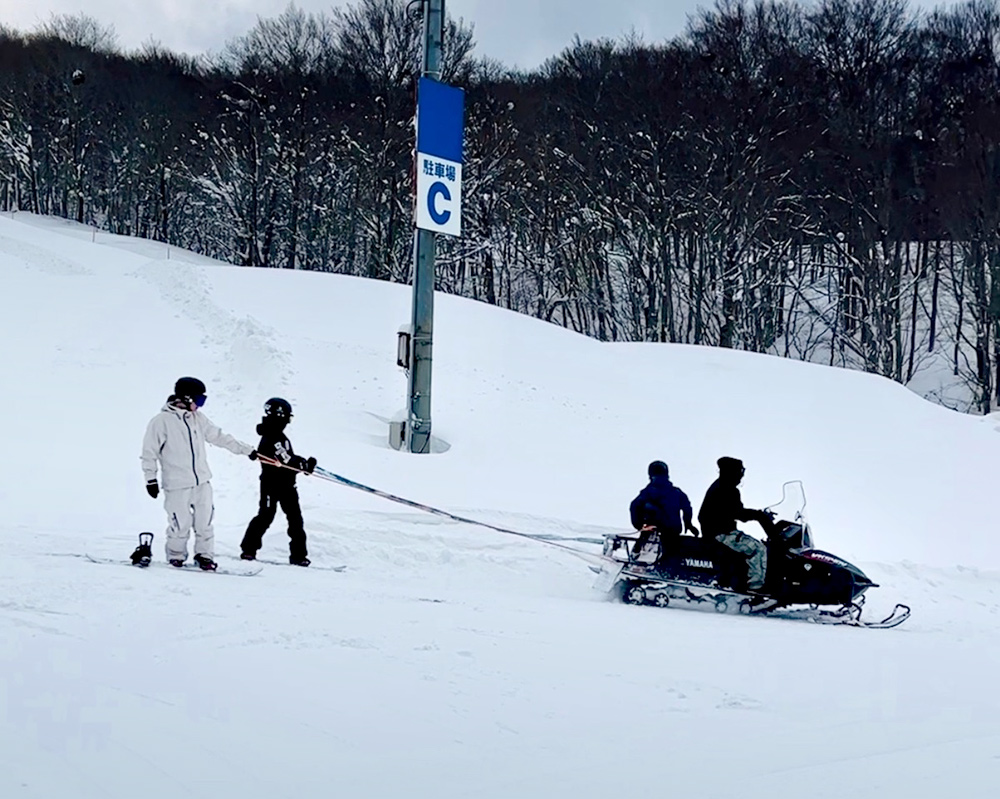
80	30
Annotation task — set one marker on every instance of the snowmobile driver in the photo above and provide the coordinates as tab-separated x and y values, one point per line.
722	508
175	441
660	508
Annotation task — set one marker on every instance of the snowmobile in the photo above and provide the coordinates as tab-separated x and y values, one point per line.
696	570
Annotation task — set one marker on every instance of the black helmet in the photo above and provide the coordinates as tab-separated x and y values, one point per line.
189	388
278	408
657	468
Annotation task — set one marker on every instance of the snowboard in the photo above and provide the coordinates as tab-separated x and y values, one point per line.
311	567
233	571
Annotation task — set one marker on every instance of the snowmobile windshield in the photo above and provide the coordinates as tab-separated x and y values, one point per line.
792	506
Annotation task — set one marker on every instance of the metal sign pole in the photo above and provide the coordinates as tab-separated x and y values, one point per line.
418	424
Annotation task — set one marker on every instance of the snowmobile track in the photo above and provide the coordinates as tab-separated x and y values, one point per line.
725	600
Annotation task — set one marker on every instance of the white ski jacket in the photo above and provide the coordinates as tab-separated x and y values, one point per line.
176	439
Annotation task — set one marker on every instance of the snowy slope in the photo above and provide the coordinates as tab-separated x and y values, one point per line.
450	661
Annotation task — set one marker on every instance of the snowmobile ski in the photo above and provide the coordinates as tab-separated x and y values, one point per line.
849	616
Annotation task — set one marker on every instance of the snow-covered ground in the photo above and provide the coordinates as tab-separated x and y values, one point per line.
449	660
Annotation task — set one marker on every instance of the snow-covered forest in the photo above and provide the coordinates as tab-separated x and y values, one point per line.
812	180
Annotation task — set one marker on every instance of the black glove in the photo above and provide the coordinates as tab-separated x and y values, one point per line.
253	455
152	488
310	465
766	519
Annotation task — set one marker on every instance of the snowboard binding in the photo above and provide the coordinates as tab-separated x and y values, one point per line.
143	554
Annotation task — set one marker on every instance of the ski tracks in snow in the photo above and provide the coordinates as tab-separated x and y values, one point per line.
20	614
244	348
934	593
41	259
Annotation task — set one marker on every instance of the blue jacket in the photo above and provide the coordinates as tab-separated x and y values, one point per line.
661	504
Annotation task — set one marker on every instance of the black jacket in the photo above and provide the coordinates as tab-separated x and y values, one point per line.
722	508
275	444
661	504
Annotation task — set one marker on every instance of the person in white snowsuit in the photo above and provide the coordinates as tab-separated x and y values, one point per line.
175	441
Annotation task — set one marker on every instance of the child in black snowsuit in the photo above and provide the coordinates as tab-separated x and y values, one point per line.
277	485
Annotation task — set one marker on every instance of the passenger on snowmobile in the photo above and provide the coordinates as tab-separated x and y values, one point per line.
660	507
722	508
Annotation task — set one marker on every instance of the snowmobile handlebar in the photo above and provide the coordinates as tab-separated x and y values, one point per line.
765	519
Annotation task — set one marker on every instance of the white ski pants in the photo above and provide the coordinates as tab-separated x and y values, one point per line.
756	554
189	508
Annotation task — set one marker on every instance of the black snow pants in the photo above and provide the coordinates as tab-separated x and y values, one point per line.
272	494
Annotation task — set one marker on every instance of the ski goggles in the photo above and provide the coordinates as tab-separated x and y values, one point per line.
200	400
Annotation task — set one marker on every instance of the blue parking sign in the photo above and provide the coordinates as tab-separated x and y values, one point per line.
440	110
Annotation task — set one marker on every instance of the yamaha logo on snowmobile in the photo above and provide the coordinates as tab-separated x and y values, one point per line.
695	563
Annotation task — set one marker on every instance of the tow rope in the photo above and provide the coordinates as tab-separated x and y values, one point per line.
344	481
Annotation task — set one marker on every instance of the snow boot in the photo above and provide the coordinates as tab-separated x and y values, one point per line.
303	561
205	563
248	556
176	563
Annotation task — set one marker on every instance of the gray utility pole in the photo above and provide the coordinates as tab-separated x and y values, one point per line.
418	421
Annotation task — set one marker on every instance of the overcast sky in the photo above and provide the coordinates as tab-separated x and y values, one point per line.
517	32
